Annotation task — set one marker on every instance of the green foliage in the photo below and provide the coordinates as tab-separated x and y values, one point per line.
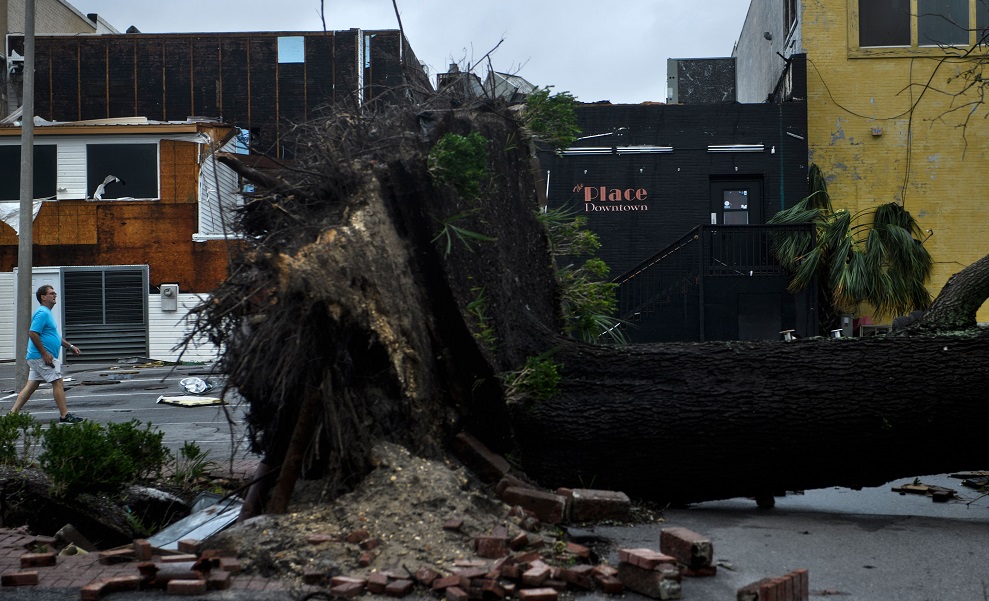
538	380
589	301
478	308
460	162
881	261
14	428
567	232
551	118
90	457
191	465
449	232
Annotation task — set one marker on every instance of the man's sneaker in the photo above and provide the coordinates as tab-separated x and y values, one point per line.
70	419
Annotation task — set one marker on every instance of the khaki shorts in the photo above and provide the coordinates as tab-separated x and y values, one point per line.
42	371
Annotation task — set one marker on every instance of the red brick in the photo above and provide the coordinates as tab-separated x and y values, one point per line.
92	591
218	581
589	505
507	481
186	587
347	590
37	560
538	594
189	545
445	582
645	558
801	588
377	582
580	576
179	558
578	550
767	591
492	589
426	575
319	539
453	524
399	588
19	578
142	549
338	580
605	570
357	536
519	541
211	553
510	571
655	583
365	559
536	575
121	584
610	585
488	466
491	547
310	575
167	573
455	593
556	584
230	564
688	547
548	507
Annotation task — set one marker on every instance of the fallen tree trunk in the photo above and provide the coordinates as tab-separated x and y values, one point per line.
405	304
691	422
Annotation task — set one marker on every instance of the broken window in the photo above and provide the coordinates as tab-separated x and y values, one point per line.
121	171
45	171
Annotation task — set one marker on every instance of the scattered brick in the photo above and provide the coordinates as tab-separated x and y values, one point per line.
589	505
536	575
689	548
491	546
92	591
122	584
357	536
347	590
29	578
538	594
580	576
519	542
230	564
645	558
311	575
603	569
319	539
377	582
180	558
509	480
37	560
218	581
455	593
547	507
445	582
189	545
564	491
426	575
530	523
166	574
370	544
365	559
186	587
490	467
142	549
610	585
794	586
655	583
453	524
492	589
216	553
510	571
578	550
399	588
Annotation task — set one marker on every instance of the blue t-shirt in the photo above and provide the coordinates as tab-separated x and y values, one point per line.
43	322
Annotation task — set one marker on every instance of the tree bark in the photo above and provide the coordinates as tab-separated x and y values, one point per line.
691	422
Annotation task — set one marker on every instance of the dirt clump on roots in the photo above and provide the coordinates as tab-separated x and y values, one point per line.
396	518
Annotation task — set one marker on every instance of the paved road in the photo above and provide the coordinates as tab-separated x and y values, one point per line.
124	392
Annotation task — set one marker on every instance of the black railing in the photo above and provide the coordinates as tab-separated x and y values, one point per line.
677	272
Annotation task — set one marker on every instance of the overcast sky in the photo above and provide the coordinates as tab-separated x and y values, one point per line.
596	49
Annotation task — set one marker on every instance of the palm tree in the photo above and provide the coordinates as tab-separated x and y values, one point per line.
882	262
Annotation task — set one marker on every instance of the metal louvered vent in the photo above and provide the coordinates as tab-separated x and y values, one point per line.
105	311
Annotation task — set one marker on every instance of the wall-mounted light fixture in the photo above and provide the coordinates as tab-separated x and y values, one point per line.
736	148
596	150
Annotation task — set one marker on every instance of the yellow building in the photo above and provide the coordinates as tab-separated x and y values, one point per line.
895	109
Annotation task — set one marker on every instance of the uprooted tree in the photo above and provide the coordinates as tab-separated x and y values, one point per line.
379	298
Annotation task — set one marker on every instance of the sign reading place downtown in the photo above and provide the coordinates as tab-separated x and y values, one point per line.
603	198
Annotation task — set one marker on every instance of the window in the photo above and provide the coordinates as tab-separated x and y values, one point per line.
917	24
736	207
790	8
121	171
45	171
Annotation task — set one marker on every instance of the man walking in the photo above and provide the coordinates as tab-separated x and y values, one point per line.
43	347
